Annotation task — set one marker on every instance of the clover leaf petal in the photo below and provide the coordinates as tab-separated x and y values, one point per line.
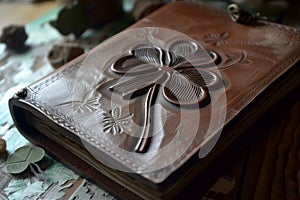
18	161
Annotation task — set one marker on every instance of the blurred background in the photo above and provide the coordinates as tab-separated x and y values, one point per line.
24	11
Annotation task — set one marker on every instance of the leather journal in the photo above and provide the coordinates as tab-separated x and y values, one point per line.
165	104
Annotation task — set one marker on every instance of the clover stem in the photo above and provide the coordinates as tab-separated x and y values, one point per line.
145	139
38	173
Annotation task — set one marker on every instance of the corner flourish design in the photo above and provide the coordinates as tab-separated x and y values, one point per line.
231	59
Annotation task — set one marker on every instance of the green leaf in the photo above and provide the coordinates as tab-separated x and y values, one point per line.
22	157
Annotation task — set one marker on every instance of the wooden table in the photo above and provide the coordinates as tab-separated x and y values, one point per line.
270	167
23	13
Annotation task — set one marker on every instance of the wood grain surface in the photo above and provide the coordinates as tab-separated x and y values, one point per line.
22	13
273	166
270	167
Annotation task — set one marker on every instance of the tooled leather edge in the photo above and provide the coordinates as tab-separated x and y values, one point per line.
57	74
69	124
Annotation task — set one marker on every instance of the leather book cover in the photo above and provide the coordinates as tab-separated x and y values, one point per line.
148	106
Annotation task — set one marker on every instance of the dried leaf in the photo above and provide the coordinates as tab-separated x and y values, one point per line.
24	189
92	192
55	192
59	173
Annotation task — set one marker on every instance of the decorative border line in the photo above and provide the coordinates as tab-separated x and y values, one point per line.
74	66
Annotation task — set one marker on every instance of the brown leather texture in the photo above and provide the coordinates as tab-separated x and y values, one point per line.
248	59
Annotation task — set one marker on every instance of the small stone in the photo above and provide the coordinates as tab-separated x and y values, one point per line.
2	145
60	54
71	19
14	36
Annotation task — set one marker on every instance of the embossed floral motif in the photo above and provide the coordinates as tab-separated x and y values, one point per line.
89	103
216	39
114	123
86	105
150	67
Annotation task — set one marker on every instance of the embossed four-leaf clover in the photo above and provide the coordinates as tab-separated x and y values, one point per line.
180	73
183	83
